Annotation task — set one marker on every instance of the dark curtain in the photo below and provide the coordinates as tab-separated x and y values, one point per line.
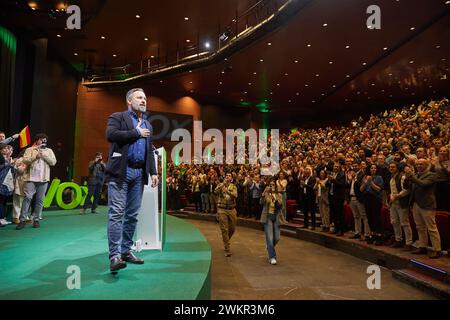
8	48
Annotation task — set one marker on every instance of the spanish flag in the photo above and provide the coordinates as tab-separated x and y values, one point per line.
24	137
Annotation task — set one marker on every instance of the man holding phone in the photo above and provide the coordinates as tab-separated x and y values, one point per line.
38	158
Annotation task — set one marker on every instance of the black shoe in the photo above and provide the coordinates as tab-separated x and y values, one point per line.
21	225
356	236
36	224
370	240
117	264
131	258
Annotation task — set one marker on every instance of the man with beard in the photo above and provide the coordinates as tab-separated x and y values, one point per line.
130	162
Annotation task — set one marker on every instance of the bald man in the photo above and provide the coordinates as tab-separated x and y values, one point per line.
423	201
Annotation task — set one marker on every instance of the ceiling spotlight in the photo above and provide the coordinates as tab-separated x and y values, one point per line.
145	39
187	40
154	57
330	62
138	16
325	25
295	61
207	45
306	85
114	55
271	92
269	43
348	76
297	93
103	37
308	45
278	84
261	60
186	18
437	47
373	84
317	75
289	101
314	101
412	28
385	48
245	92
334	86
190	71
249	83
190	82
75	54
347	47
364	63
58	35
160	81
412	61
390	74
254	72
218	91
285	73
220	82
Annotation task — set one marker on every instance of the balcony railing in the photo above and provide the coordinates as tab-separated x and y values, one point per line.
238	27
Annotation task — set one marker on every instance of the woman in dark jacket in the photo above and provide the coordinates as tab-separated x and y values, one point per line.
372	187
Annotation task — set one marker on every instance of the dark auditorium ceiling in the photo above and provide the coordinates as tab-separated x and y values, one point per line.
324	61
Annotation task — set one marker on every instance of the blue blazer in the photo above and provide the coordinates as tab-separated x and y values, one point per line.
120	132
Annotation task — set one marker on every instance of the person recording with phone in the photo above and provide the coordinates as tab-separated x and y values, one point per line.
272	217
95	183
38	158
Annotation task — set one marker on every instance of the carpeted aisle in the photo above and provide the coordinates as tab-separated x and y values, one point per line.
34	262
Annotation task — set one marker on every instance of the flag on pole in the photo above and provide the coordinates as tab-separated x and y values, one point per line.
25	139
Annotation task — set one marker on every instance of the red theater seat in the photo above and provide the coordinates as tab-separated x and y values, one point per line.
386	219
348	216
291	207
442	221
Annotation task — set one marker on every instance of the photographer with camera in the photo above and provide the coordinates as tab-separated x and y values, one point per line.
38	158
95	182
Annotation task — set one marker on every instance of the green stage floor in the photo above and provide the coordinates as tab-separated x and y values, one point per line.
34	262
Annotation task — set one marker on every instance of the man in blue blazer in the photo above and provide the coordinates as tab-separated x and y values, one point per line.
130	162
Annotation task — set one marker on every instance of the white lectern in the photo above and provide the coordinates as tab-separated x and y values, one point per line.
150	229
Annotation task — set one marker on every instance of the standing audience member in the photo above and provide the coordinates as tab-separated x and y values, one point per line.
6	187
19	189
337	199
423	203
372	187
308	198
399	208
38	158
323	203
356	200
4	140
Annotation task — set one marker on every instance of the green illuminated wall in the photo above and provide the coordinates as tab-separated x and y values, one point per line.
8	40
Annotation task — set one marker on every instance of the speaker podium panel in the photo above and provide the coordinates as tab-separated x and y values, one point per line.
150	229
